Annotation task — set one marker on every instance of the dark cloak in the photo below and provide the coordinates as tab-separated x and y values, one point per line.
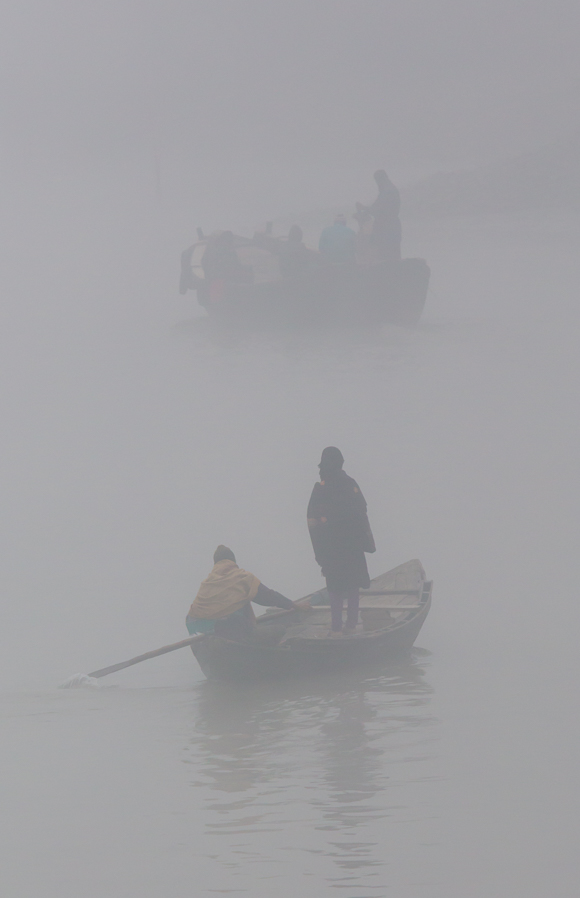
340	532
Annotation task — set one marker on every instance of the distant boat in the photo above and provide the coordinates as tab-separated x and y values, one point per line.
386	292
295	642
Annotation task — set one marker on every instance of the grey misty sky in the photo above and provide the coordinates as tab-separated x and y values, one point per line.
414	84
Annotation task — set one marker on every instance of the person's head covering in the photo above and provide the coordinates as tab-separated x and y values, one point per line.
222	553
295	234
340	218
381	177
331	461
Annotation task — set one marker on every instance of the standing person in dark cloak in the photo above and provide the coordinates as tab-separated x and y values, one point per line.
341	534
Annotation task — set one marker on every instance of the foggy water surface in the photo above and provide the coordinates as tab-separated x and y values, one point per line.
138	439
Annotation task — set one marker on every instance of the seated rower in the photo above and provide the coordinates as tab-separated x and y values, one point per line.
223	603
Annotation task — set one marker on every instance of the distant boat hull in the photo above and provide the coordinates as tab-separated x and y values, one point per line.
392	293
308	652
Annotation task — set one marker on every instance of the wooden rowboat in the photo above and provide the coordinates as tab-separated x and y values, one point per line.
290	643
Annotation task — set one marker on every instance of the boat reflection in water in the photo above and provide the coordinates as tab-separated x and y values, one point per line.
295	774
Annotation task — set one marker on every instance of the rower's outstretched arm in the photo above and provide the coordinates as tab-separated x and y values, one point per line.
271	598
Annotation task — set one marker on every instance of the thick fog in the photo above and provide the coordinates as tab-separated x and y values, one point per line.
136	437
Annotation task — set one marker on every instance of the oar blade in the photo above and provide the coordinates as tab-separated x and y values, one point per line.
80	681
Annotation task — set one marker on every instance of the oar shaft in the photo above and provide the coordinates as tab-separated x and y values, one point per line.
280	612
162	651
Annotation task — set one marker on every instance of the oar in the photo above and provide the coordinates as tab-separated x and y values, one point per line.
83	679
299	605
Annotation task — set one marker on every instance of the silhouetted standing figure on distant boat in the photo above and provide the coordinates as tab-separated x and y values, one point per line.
341	534
385	238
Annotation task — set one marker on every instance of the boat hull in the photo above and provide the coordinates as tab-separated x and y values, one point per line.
222	659
332	295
